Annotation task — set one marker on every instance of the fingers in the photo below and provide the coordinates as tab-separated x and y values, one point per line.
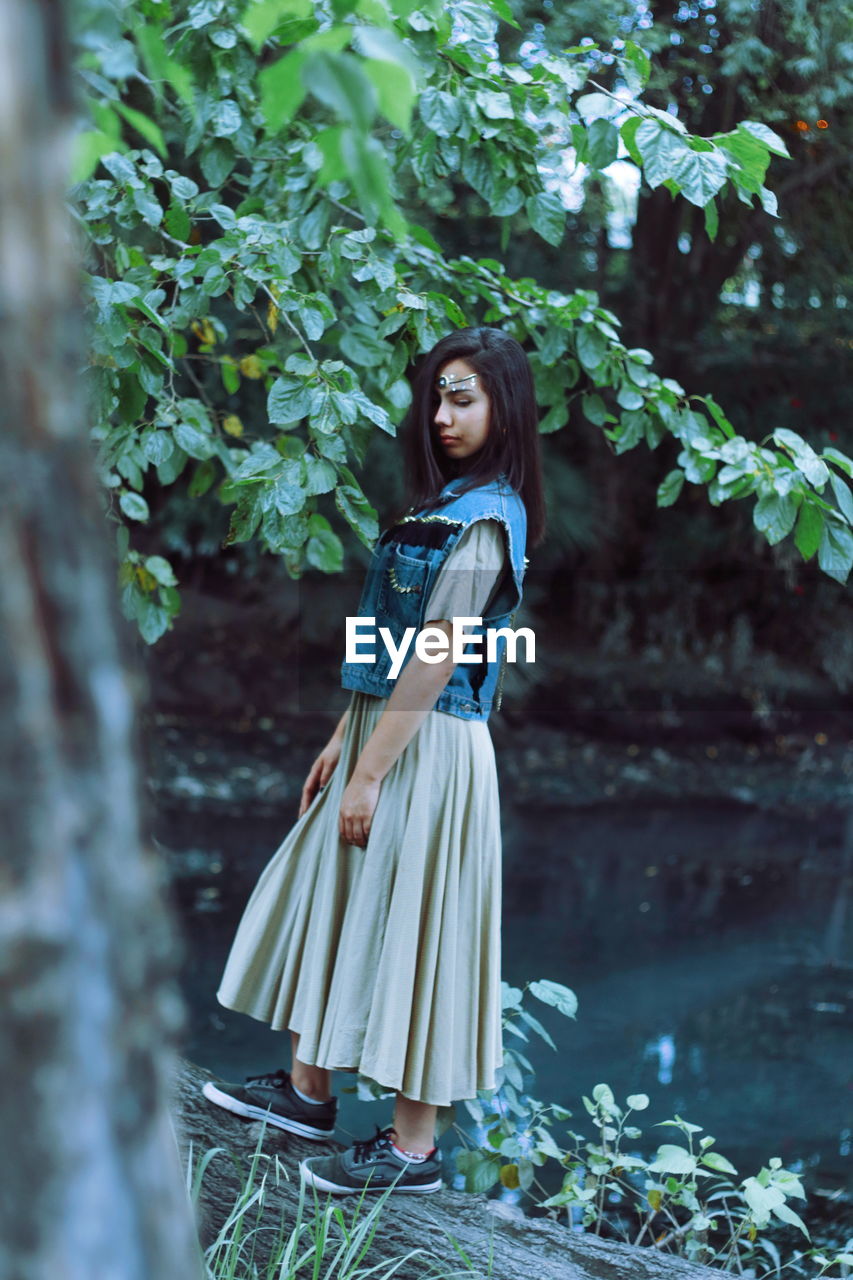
354	829
310	788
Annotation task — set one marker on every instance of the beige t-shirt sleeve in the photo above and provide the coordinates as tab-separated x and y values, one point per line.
469	574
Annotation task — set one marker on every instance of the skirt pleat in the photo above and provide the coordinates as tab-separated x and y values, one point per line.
386	960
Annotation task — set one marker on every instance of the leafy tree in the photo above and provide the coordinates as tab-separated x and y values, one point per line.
258	280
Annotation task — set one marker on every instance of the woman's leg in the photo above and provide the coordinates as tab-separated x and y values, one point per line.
314	1081
414	1125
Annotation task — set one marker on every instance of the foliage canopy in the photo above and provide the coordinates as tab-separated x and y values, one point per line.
248	185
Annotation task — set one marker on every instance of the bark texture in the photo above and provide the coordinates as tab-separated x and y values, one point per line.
85	946
500	1242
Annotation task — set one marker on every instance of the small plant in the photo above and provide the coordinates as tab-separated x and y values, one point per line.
686	1199
321	1242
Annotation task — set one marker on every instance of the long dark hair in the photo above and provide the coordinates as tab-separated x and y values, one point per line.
512	445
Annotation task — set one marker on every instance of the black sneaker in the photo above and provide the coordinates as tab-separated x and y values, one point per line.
273	1098
372	1165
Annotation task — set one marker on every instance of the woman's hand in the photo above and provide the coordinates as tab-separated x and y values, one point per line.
356	814
320	773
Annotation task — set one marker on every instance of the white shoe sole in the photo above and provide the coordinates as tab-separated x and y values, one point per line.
248	1112
323	1184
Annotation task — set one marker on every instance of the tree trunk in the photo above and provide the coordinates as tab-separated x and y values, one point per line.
85	945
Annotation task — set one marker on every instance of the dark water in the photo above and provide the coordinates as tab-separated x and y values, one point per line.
709	947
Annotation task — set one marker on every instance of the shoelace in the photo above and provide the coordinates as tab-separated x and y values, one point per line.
365	1149
277	1078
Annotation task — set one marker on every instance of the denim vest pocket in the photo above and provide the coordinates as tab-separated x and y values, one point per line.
403	588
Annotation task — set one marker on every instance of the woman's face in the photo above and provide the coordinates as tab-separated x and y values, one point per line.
461	419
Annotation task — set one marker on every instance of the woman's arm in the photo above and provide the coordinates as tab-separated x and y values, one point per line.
338	734
323	767
412	698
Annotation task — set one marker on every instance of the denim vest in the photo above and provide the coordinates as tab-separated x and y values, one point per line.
406	562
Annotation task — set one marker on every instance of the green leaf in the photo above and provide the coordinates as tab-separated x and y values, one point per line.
843	496
835	553
712	219
761	1200
787	1214
598	106
153	620
217	161
672	1159
631	430
321	475
636	58
440	112
749	155
629	398
134	505
395	91
628	132
669	157
157	446
603	146
536	1025
367	167
143	124
638	1101
172	466
713	1160
160	66
358	513
840	459
478	171
774	515
603	1095
282	89
160	569
494	105
337	80
88	147
193	441
809	530
507	201
595	410
262	17
661	151
203	478
225	119
669	488
324	550
481	1172
289	400
591	347
547	216
771	140
555	995
815	470
556	417
362	348
701	174
245	518
177	222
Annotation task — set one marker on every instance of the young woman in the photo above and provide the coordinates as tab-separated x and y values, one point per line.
373	934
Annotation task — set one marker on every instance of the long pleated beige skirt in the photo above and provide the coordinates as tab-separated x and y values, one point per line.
386	960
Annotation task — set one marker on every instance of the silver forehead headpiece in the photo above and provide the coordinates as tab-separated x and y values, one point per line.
453	384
